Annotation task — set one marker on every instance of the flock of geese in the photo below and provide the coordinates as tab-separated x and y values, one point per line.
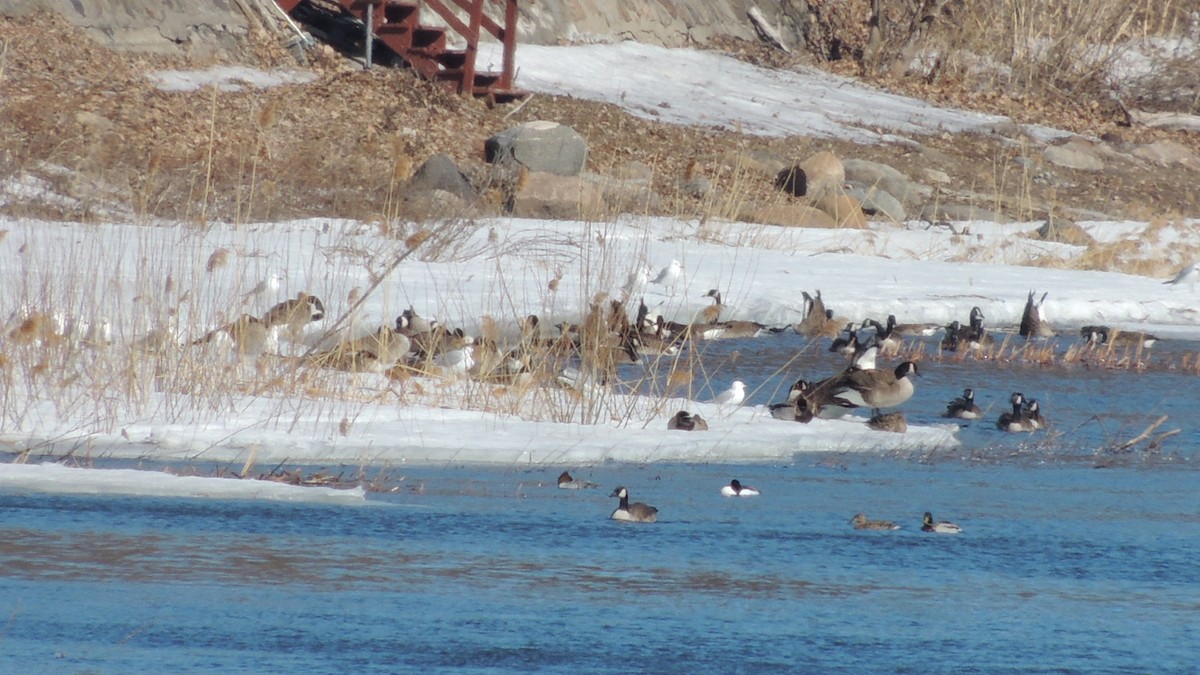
606	338
639	512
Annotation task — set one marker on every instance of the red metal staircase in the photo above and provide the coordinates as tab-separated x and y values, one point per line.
398	37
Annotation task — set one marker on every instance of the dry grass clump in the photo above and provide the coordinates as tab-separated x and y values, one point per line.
1052	51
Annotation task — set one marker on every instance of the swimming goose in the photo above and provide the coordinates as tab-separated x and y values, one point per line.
1033	320
886	337
972	336
941	526
861	522
864	357
876	388
712	313
726	330
845	344
636	512
819	321
657	340
736	489
1033	413
964	407
1015	421
1103	335
910	329
686	421
565	482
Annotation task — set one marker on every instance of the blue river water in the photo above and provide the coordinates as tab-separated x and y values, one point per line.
1074	557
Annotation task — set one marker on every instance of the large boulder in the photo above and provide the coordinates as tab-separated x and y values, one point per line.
1064	231
549	195
789	215
878	175
845	210
1074	153
439	172
547	147
877	202
824	173
820	175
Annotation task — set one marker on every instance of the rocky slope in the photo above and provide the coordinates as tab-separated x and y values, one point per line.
81	120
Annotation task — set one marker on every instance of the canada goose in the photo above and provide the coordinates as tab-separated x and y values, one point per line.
636	512
1188	275
970	337
964	407
410	323
1033	413
861	522
304	308
787	409
618	318
385	344
565	482
1033	319
248	335
686	421
734	395
658	340
877	388
1103	335
941	526
865	357
736	489
295	313
893	422
823	401
910	329
456	358
886	337
845	344
1015	421
819	321
799	407
712	313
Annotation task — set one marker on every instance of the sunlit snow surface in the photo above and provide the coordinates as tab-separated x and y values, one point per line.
705	88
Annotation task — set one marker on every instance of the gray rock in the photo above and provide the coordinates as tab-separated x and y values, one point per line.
1073	155
697	187
886	178
1064	231
877	202
439	172
876	173
547	147
1167	153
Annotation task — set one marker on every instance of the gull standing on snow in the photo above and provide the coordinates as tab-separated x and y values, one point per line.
734	395
1188	275
669	274
267	286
